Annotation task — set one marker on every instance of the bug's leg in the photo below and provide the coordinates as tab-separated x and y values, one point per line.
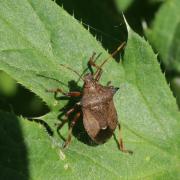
62	123
120	142
59	126
69	94
98	74
99	70
94	58
91	63
75	119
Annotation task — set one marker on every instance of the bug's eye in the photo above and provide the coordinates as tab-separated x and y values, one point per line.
115	89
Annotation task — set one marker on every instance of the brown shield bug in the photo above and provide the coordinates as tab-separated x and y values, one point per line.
99	113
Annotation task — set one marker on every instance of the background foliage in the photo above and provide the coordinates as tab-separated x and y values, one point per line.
35	36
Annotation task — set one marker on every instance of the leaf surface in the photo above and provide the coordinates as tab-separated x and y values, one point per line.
164	34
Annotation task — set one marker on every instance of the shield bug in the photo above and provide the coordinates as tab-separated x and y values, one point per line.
97	107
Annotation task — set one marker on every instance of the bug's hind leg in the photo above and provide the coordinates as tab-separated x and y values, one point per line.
120	142
75	119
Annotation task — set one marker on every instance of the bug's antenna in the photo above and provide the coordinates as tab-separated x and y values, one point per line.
67	67
113	54
40	75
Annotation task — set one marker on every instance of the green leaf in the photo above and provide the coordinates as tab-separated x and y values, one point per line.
122	5
36	37
8	86
164	34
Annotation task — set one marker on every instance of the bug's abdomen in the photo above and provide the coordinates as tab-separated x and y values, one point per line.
103	135
100	121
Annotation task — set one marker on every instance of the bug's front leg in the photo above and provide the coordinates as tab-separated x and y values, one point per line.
75	119
98	72
120	142
69	94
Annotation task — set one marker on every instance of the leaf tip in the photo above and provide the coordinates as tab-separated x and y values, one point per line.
144	25
127	25
73	16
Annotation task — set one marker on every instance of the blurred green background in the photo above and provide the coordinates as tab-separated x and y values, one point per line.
104	20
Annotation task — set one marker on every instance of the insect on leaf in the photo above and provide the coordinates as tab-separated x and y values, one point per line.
37	36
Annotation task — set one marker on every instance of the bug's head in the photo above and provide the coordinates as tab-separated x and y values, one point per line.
89	80
113	89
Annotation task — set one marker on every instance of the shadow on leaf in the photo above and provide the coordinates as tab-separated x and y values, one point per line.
13	152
